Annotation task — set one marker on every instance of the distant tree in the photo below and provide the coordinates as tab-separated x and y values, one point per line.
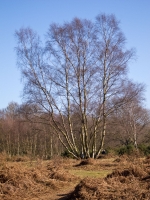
23	133
130	121
10	135
77	80
38	138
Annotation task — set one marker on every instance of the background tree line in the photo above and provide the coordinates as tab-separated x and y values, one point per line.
77	95
22	134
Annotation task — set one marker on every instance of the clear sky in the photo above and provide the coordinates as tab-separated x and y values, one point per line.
134	16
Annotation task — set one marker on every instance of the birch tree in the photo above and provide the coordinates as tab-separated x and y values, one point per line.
75	78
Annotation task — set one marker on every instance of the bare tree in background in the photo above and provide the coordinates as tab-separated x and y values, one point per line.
77	80
132	121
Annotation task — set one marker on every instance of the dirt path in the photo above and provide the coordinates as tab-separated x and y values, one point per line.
61	194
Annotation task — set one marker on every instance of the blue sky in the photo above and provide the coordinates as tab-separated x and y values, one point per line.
134	16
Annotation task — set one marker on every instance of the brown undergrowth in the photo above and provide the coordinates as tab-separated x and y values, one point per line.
31	180
128	178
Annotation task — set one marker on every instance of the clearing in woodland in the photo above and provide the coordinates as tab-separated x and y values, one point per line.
61	179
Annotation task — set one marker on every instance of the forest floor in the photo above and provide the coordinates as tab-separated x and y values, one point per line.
61	179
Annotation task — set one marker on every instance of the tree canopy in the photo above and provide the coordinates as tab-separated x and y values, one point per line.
77	79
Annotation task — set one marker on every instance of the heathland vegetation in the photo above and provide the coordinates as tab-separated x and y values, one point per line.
124	177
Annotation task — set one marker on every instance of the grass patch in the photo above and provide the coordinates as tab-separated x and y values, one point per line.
92	174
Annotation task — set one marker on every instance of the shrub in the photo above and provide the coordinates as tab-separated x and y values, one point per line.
128	149
66	154
144	149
